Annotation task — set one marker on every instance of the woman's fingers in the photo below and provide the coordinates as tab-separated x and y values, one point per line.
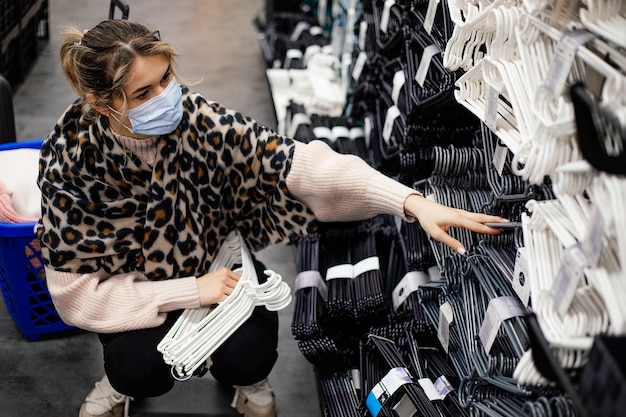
436	219
229	280
474	222
215	286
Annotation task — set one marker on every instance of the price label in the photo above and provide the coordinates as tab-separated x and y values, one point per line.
321	12
392	114
398	82
306	279
491	107
568	277
563	59
429	19
445	318
388	385
443	386
520	282
592	245
297	31
359	65
429	389
498	310
427	57
408	285
362	35
499	157
367	128
384	18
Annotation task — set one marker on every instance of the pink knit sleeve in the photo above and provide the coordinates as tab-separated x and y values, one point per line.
339	187
107	304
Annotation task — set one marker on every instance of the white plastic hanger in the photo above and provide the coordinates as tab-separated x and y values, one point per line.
199	332
606	17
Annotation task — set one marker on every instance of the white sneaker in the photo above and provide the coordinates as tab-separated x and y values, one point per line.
255	400
104	401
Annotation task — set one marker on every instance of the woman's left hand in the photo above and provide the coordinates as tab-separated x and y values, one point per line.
436	219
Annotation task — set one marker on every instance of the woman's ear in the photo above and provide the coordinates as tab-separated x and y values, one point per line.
92	102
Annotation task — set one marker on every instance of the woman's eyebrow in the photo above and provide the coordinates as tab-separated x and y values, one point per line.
141	89
168	70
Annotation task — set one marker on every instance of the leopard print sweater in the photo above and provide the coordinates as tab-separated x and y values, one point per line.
103	208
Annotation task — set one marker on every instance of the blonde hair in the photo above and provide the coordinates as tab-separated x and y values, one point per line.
98	61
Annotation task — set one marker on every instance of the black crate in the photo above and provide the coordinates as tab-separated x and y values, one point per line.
10	63
603	379
20	48
9	17
29	49
43	26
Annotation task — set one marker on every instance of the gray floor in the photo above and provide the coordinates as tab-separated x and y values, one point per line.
219	49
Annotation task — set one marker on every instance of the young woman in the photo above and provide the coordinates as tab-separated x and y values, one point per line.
141	182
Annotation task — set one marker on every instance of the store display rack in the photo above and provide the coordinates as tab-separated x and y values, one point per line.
512	108
23	32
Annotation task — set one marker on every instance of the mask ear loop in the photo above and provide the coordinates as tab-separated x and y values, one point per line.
130	129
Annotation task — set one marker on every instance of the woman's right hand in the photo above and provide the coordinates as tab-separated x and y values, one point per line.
215	286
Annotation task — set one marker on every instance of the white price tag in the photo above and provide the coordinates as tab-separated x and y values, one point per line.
499	157
578	256
422	69
429	19
362	35
564	287
398	82
435	273
491	107
321	12
388	385
429	389
443	386
520	282
323	132
359	65
384	18
341	271
407	286
563	59
498	310
297	31
307	279
392	114
446	316
592	245
356	378
297	120
366	265
569	275
367	129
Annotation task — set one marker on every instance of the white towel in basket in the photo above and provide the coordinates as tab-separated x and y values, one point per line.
20	197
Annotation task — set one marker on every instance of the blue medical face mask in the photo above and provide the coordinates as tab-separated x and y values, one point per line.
160	115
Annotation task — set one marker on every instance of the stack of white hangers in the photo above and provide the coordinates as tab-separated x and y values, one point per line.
475	27
517	85
199	332
588	216
606	17
519	58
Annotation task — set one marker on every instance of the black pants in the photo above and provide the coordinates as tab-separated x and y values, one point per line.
136	368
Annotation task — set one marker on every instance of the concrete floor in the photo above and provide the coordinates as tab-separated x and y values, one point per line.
218	47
